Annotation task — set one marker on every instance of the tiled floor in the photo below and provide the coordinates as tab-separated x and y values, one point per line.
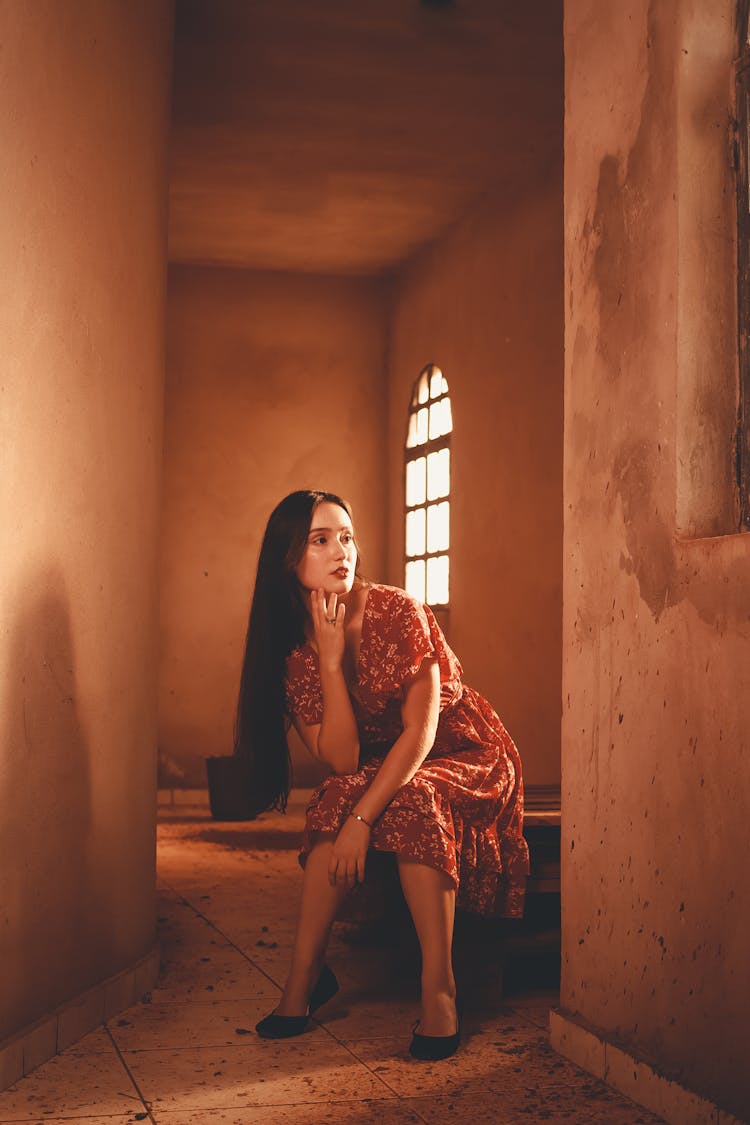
227	902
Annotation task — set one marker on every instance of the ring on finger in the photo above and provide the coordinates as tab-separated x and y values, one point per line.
331	620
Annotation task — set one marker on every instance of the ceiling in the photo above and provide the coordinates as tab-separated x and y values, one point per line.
344	136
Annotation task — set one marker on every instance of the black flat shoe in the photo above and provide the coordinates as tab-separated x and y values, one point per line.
281	1027
433	1048
275	1026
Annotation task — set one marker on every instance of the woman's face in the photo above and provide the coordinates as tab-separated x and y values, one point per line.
330	557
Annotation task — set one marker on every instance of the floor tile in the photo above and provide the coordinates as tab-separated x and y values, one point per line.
191	942
374	1016
215	1023
307	1113
210	975
227	904
278	902
350	1019
538	1015
109	1119
487	1063
82	1082
592	1104
264	1072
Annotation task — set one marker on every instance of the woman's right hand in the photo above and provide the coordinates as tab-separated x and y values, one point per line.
328	624
347	861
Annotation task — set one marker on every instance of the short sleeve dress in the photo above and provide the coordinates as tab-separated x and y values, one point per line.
462	812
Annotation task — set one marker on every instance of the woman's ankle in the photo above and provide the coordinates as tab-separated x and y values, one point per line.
295	998
439	1015
439	984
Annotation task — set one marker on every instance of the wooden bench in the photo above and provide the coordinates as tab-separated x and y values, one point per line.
542	831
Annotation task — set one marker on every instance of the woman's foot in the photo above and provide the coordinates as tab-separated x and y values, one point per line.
433	1048
439	1032
275	1026
283	1024
439	1015
306	991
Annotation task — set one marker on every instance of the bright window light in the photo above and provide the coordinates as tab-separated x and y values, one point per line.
422	426
411	440
437	580
427	486
415	583
438	474
415	536
438	528
416	482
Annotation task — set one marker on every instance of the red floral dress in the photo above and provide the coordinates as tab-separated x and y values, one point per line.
462	812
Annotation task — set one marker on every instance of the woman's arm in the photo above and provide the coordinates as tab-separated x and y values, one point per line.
335	740
420	713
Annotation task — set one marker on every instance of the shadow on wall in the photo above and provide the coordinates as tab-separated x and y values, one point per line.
307	772
53	930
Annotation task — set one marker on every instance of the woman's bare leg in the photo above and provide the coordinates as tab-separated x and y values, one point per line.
318	908
431	898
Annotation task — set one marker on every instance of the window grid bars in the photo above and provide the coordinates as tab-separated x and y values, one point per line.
415	453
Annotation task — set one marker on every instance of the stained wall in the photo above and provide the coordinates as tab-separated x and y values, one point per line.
656	634
275	382
84	94
485	305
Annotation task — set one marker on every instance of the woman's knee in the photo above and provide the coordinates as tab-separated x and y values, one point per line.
413	870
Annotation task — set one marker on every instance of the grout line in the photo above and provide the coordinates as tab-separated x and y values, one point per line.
127	1070
348	1048
228	940
324	1027
532	1023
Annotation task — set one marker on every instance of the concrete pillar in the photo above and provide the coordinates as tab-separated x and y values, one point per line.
656	649
84	100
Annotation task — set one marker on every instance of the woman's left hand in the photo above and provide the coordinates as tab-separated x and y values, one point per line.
347	862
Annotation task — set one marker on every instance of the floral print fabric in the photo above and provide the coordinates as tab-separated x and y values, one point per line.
462	812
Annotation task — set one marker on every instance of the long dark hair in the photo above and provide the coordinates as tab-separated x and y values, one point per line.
276	627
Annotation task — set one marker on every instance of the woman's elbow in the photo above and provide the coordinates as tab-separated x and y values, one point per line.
341	762
344	771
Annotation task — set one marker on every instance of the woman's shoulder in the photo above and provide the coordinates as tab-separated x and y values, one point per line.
391	596
394	614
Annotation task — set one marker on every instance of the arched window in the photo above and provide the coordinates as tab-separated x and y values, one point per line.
427	489
742	160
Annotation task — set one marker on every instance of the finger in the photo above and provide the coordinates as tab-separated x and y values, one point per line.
321	611
341	610
331	611
315	607
361	869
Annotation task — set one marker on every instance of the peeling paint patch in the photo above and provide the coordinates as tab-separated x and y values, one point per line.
649	539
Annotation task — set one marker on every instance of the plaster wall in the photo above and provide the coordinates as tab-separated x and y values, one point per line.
275	382
485	305
84	94
656	634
